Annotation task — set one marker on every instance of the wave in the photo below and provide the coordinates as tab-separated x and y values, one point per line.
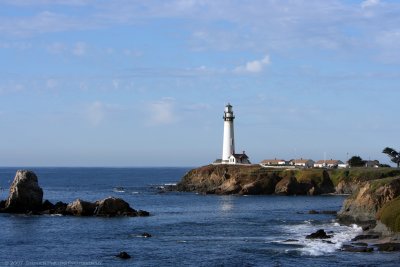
318	247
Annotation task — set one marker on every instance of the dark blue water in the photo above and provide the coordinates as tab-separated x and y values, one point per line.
188	229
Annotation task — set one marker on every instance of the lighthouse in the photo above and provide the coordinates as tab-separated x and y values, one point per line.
228	146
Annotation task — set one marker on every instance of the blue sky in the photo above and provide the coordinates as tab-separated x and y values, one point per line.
144	83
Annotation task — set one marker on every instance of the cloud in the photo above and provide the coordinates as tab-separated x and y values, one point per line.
162	112
97	112
369	3
79	49
56	48
254	66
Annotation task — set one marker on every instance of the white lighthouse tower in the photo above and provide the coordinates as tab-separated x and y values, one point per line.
228	147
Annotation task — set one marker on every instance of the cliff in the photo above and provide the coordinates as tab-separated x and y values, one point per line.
255	180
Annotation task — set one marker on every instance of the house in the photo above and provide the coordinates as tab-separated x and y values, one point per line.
239	159
305	163
274	162
372	163
331	163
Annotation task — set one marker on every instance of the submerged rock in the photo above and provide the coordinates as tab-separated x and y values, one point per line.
25	193
320	234
146	235
364	237
123	255
388	247
351	248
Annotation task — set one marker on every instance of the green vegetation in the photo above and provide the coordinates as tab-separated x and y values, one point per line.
309	175
356	161
389	215
361	174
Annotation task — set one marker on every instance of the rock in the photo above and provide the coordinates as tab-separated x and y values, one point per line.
25	193
364	237
287	186
60	208
146	235
362	206
389	247
346	187
2	204
47	205
350	248
320	234
80	208
112	206
123	255
230	186
313	212
143	213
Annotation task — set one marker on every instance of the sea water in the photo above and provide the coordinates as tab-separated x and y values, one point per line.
187	229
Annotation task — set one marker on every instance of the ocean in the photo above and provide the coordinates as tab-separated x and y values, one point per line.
187	229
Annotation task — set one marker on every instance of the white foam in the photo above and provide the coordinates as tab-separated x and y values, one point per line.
318	247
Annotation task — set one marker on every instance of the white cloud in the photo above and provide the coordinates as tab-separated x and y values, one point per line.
162	112
254	66
95	113
51	83
56	48
79	49
369	3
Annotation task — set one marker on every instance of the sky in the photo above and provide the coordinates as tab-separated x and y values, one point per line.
144	83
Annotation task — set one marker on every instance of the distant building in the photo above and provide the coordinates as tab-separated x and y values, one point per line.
274	162
305	163
372	163
343	165
239	159
332	163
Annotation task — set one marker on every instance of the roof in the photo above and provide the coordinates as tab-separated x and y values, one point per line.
272	161
330	161
301	160
240	156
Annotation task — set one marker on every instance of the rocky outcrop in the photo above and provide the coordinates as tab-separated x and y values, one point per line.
81	208
108	207
112	206
363	205
320	234
26	197
25	193
255	180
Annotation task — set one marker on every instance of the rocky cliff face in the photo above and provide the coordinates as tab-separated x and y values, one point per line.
364	204
254	180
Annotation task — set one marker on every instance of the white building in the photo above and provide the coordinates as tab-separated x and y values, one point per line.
331	163
228	147
274	162
304	163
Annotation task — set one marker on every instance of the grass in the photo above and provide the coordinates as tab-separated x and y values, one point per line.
389	215
361	174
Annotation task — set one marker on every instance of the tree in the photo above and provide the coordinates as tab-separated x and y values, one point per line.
393	155
356	161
